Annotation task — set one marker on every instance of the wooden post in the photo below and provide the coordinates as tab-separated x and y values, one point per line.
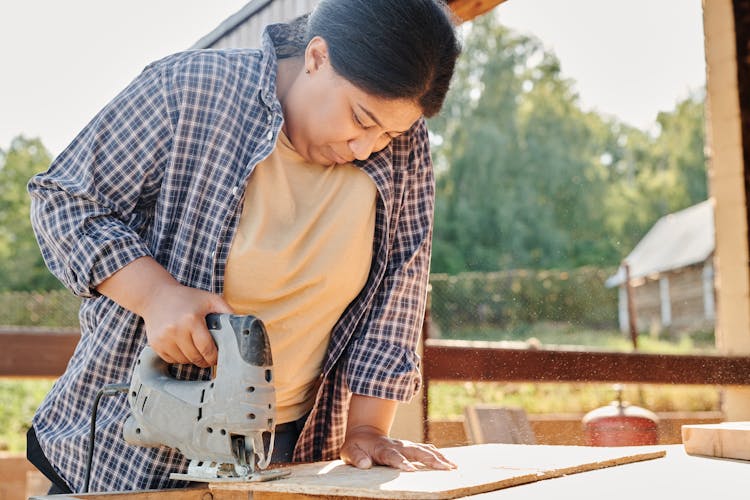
728	72
425	380
632	318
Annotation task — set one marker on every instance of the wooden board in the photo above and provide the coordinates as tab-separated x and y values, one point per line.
725	440
482	468
497	424
18	478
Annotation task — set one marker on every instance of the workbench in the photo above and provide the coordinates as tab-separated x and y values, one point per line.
675	476
643	473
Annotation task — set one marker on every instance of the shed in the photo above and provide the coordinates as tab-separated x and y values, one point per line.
672	274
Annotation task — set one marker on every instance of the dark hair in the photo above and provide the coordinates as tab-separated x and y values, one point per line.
396	49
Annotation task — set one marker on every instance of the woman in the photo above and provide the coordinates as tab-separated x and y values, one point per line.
293	183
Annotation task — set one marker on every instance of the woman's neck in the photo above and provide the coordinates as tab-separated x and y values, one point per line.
288	71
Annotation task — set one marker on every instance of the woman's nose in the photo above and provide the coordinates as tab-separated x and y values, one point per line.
363	145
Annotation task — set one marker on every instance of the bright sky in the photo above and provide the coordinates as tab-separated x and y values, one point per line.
630	59
63	60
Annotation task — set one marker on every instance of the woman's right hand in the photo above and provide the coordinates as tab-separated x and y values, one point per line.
175	319
174	314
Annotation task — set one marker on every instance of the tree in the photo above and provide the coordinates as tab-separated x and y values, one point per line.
656	175
518	163
21	264
526	179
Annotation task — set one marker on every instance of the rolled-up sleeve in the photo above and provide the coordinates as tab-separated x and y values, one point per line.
383	361
87	207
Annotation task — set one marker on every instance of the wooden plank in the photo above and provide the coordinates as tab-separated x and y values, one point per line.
15	472
486	361
198	493
35	352
497	424
45	353
482	468
724	440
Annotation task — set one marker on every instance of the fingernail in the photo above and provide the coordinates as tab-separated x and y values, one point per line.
363	463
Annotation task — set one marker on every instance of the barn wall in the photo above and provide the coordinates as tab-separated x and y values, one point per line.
249	32
686	299
647	307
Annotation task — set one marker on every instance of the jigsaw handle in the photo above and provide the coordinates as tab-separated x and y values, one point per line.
249	333
202	417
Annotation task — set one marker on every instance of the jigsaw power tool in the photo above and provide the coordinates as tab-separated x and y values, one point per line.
217	424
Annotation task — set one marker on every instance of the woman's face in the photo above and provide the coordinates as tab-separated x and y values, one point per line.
330	121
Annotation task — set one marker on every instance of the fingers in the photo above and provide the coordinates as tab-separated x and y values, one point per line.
164	345
394	453
177	329
356	456
204	346
184	342
393	458
428	455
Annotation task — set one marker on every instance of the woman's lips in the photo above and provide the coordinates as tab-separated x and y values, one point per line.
337	158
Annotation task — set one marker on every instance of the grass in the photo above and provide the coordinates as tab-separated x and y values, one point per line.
571	335
448	399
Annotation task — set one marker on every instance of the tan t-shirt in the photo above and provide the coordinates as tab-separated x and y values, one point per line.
302	252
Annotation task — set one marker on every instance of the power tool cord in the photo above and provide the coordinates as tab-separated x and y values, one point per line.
107	390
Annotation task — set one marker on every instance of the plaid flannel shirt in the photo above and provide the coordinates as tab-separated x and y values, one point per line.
161	172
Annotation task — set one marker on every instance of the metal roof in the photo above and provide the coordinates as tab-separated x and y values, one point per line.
675	241
231	23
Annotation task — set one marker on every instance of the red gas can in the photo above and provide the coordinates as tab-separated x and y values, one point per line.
620	424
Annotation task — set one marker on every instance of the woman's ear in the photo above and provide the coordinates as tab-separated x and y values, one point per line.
316	54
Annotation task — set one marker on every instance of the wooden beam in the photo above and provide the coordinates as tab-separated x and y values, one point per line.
485	361
466	10
32	352
45	353
200	492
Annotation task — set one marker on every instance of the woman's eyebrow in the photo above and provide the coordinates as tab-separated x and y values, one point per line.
375	118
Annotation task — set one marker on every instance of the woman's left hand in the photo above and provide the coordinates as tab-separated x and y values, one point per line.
366	445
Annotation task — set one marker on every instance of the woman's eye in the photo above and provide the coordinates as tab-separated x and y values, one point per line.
357	121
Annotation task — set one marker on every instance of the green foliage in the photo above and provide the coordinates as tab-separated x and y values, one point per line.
509	300
526	179
654	176
21	264
56	308
19	400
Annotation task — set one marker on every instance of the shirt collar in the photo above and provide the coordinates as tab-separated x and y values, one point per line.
280	41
